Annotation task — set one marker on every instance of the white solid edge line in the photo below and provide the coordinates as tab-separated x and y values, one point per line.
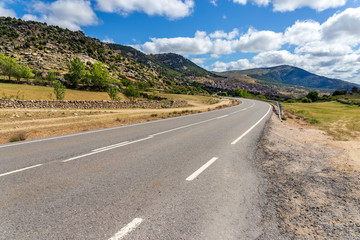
109	129
200	170
249	130
127	229
20	170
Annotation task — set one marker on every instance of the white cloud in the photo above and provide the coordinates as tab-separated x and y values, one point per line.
5	12
200	44
343	27
198	61
331	48
30	17
214	2
108	40
71	14
173	9
291	5
257	41
222	34
235	65
303	32
321	49
217	43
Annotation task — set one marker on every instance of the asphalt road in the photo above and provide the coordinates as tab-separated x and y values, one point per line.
190	177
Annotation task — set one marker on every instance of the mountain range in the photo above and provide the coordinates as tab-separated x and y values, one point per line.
47	48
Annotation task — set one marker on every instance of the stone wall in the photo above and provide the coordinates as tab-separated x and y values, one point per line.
90	104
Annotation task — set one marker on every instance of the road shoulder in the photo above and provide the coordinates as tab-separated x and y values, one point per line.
313	184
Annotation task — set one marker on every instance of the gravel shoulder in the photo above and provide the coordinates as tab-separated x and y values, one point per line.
313	183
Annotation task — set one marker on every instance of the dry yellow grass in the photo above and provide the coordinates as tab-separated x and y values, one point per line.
28	92
37	123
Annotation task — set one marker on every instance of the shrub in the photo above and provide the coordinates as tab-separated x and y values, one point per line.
59	90
314	96
131	92
20	136
306	100
113	93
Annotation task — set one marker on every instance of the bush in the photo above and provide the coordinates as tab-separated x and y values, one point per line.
314	96
59	90
21	136
306	100
113	93
339	92
132	93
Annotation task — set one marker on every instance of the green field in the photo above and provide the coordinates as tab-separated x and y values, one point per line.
340	121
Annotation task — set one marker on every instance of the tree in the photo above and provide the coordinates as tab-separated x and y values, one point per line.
51	76
314	96
76	72
27	73
8	66
113	93
99	76
339	92
59	90
131	92
355	90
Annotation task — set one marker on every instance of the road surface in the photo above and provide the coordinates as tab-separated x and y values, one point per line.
190	177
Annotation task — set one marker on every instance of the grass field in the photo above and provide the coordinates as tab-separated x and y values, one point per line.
340	121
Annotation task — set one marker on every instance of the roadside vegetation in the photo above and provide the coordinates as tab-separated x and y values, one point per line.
341	121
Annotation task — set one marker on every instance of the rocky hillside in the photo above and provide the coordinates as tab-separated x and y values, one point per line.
170	64
47	48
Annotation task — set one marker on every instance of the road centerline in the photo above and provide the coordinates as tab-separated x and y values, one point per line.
127	229
201	169
20	170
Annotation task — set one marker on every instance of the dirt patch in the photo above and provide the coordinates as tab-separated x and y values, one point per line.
313	183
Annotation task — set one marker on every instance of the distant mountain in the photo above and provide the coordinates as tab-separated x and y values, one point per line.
288	76
169	64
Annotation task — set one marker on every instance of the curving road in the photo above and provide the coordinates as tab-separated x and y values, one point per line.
190	177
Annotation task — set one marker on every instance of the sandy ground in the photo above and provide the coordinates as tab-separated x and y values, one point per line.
313	183
38	123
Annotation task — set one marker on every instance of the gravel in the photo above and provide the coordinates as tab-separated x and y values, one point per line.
307	196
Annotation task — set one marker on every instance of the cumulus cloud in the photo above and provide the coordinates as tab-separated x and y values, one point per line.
71	14
5	12
199	61
257	41
200	44
303	32
321	49
173	9
291	5
216	43
222	34
330	49
343	27
234	65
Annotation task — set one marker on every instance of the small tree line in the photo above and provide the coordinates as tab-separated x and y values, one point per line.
11	68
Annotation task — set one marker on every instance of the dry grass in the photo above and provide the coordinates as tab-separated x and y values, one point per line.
28	92
50	122
340	121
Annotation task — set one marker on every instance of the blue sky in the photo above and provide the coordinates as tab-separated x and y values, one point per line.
321	36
